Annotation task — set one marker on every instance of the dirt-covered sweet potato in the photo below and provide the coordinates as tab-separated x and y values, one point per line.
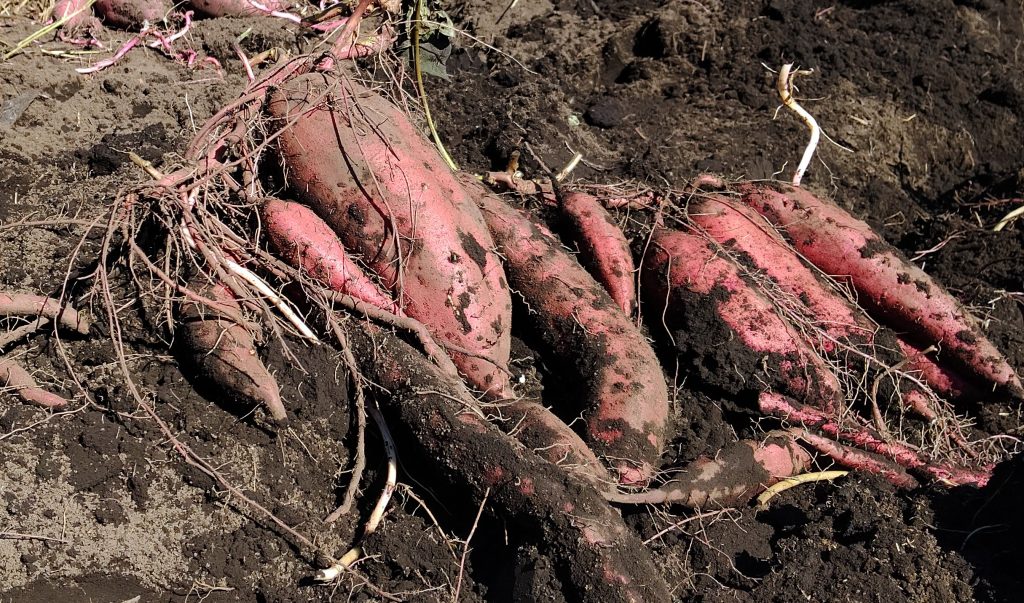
731	334
622	388
224	353
889	285
359	162
594	554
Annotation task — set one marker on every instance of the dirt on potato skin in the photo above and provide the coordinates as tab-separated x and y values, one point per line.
926	94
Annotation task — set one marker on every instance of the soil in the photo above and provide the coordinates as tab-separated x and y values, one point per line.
923	99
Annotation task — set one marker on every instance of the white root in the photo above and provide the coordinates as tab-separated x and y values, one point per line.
275	299
331	573
786	88
1010	217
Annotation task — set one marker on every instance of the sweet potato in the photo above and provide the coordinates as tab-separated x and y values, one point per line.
224	353
603	247
623	389
131	14
360	164
12	375
841	330
304	240
739	229
542	431
26	304
943	380
594	554
79	15
729	330
735	475
864	438
888	284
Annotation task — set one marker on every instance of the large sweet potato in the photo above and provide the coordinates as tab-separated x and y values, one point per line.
358	162
595	555
835	326
623	391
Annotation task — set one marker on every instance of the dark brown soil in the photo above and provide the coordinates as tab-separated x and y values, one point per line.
926	96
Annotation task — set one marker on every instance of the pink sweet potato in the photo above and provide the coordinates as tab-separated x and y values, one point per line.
360	164
726	326
304	240
739	229
842	330
916	460
623	390
943	380
887	283
78	13
603	247
12	375
224	353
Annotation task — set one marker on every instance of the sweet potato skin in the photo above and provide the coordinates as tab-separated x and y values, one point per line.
224	352
624	391
889	285
305	241
696	291
368	172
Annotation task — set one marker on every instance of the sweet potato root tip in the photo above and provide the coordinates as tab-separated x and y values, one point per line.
366	170
596	556
734	476
224	353
698	292
888	284
603	247
624	390
307	242
12	375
